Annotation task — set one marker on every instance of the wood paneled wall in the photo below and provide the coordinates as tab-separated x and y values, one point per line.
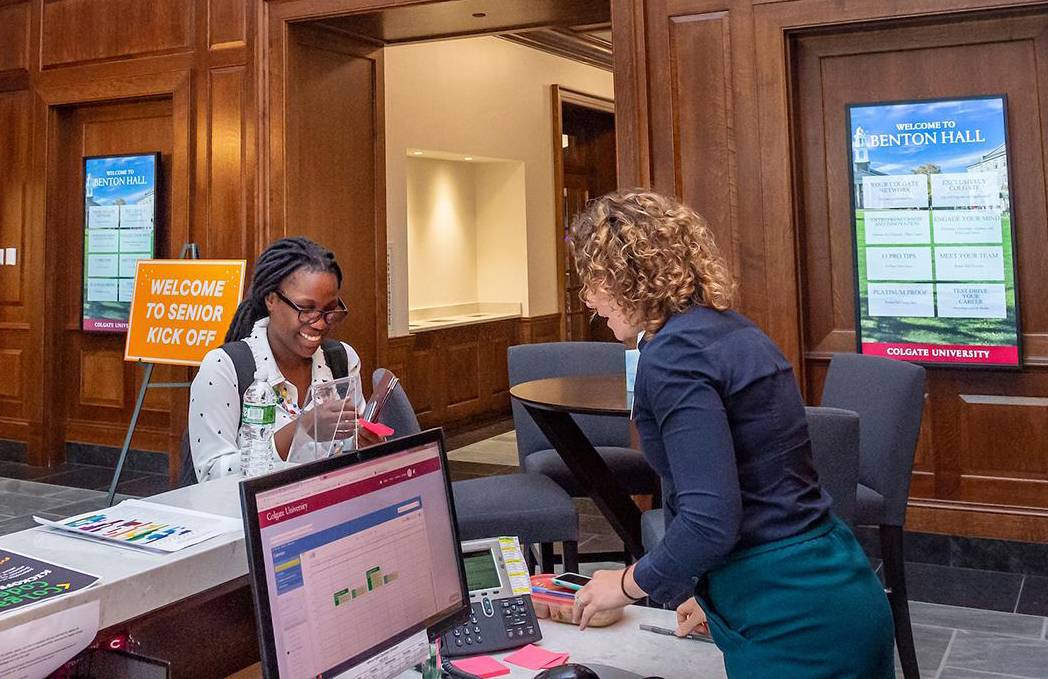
737	107
72	73
721	102
457	375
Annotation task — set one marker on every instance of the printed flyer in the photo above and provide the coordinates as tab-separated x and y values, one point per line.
25	581
119	230
933	233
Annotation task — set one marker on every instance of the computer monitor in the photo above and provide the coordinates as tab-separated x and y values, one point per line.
353	555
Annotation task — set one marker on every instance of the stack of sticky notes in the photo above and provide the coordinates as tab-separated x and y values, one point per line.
483	666
534	658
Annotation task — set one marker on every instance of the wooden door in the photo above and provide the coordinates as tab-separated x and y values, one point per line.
577	316
93	399
584	169
983	443
335	171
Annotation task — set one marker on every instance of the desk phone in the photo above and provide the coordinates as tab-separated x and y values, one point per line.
498	619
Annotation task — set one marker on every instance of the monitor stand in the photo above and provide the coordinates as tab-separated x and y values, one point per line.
392	661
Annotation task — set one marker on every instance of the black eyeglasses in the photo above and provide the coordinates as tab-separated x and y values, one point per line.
311	316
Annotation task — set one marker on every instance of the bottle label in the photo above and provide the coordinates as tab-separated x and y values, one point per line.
256	414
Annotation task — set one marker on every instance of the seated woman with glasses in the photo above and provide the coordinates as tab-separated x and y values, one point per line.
290	308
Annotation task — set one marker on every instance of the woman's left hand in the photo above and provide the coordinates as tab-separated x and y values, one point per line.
604	592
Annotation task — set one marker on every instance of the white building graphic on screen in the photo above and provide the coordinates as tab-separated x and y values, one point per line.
861	164
995	160
147	200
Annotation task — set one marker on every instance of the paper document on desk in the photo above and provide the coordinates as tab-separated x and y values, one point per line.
35	649
146	525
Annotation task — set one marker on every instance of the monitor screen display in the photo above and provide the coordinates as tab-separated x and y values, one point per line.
481	570
934	232
356	557
120	215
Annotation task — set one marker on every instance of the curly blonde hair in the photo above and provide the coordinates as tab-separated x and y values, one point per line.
651	254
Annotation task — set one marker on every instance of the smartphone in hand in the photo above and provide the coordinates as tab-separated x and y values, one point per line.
386	384
571	581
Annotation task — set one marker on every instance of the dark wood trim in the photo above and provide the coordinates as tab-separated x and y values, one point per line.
981	521
567	43
557	141
394	22
577	98
153	439
14	80
537	329
632	137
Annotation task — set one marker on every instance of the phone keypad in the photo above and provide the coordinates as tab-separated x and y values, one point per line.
516	618
492	626
468	634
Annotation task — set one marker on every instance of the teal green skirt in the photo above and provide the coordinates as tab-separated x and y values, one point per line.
807	607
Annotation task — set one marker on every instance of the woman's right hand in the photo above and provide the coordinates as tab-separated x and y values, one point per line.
334	420
691	618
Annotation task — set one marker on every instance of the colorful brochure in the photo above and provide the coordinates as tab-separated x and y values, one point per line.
146	525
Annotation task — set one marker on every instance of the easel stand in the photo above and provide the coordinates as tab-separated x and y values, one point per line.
189	251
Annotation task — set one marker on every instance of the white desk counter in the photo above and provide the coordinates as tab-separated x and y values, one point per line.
135	582
622	645
625	646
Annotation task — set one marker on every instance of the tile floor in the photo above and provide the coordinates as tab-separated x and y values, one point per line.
969	623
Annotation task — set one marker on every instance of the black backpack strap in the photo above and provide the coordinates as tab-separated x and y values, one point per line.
244	365
336	357
243	362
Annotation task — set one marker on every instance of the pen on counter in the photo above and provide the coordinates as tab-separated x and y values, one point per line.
552	592
695	636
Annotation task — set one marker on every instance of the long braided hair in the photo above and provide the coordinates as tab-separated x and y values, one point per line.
281	259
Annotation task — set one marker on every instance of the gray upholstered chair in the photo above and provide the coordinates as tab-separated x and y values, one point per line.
530	506
834	435
888	395
609	435
835	439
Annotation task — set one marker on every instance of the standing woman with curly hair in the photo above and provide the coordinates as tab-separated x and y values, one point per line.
751	547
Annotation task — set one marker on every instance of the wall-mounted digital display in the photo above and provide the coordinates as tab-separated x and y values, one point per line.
933	233
120	198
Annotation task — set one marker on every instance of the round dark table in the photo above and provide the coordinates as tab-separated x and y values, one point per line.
551	403
584	394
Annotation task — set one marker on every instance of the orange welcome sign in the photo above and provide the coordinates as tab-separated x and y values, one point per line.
181	308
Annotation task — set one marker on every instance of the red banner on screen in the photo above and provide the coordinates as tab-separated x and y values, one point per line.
296	508
944	353
104	325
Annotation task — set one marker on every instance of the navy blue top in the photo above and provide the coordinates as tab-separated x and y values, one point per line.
722	422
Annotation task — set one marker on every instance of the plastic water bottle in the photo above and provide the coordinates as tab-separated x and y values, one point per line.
258	414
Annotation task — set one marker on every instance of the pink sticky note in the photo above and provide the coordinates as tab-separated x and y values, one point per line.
557	661
376	428
534	658
483	666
